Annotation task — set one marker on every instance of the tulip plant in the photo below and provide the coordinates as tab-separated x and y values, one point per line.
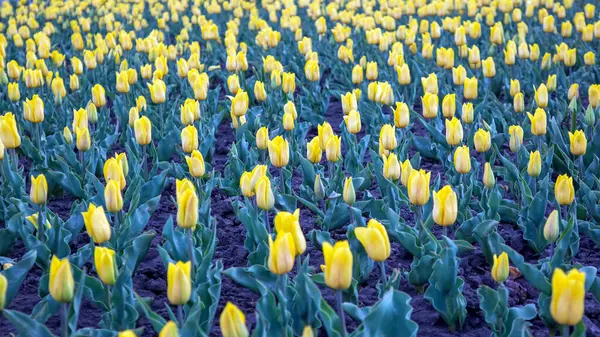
363	151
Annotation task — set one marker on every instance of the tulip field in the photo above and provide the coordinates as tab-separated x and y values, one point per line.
280	168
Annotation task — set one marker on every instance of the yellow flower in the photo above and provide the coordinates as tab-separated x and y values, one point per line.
182	68
403	73
482	140
516	137
467	113
98	96
357	74
9	133
470	88
349	102
73	82
515	87
3	288
573	91
259	91
541	96
279	151
313	151
281	253
308	331
195	164
459	75
352	121
454	131
104	261
444	206
401	115
232	322
113	170
311	70
169	330
14	70
489	67
462	160
122	82
338	265
538	122
589	58
127	333
430	84
265	199
187	208
488	176
112	196
551	227
83	139
61	285
448	106
239	103
568	296
375	240
406	169
233	84
500	269
158	91
143	130
179	282
96	224
418	187
39	190
518	102
460	37
594	95
13	91
189	139
387	137
564	192
372	71
68	135
333	149
578	143
349	194
391	167
286	222
288	83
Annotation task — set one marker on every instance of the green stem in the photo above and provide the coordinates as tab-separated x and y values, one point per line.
64	320
383	275
145	161
298	263
340	311
117	223
41	224
580	170
180	315
565	331
190	244
107	296
281	181
266	221
82	160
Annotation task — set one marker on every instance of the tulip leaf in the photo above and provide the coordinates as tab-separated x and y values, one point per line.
252	278
75	305
390	316
16	274
25	325
155	319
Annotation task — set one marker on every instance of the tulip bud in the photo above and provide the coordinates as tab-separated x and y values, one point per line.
13	92
333	149
169	330
578	143
179	282
352	120
233	322
444	206
430	84
239	103
279	152
187	209
488	176
338	265
470	88
98	96
401	115
104	261
387	137
564	193
459	75
112	196
462	160
516	137
281	253
482	141
573	91
96	224
590	116
357	74
454	131
259	91
143	130
538	122
265	199
61	285
375	240
158	91
403	73
127	333
391	167
39	190
406	169
552	228
3	288
349	194
189	139
418	186
467	113
568	296
500	269
308	331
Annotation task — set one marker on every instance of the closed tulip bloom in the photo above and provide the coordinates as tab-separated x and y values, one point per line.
239	103
406	169
551	83
83	139
568	296
489	67
311	70
308	331
9	133
13	91
143	130
319	188
61	285
14	70
578	143
500	269
573	91
375	240
288	84
279	152
181	186
96	224
357	74
246	184
470	88
104	261
387	137
518	102
189	139
258	172
338	265
516	137
541	96
488	176
444	206
112	196
3	288
92	112
158	91
98	96
259	91
187	209
288	121
349	194
262	138
462	160
122	82
333	149
74	82
454	131
232	322
324	132
349	102
286	222
460	37
401	115
538	122
594	95
39	190
448	106
313	151
552	227
589	58
430	84
179	282
515	87
459	75
467	113
113	170
264	194
418	187
281	253
67	135
169	330
403	73
372	71
564	191
482	140
195	164
352	121
391	167
127	333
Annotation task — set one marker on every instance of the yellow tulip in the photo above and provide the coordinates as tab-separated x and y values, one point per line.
324	132
9	133
515	87
313	151
406	169
589	58
445	206
430	84
288	84
39	190
568	296
333	149
74	82
338	265
482	140
454	131
187	208
127	333
391	167
573	91
195	164
467	113
372	71
96	224
67	135
357	74
143	130
541	96
281	253
113	170
308	331
538	122
92	112
387	137
286	222
516	137
500	269
375	240
459	75
279	152
594	95
122	82
349	194
179	282
112	196
352	121
182	68
3	288
189	139
518	102
460	37
578	143
462	160
13	91
84	141
265	199
418	187
349	102
534	166
564	192
61	284
552	227
239	103
98	96
158	91
232	322
104	261
246	184
259	91
169	330
401	115
488	176
470	88
489	67
403	73
311	70
275	78
14	70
